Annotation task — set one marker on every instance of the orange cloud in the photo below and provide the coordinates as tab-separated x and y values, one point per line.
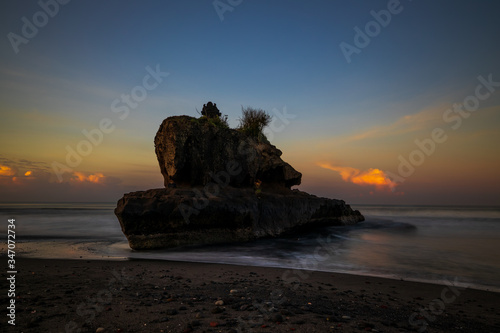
96	178
374	177
23	178
6	171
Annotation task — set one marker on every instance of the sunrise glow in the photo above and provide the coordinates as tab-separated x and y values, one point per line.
373	177
6	171
93	178
81	107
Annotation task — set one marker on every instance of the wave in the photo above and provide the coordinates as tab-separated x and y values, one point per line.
409	242
486	212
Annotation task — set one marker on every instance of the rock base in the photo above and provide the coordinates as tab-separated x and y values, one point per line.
171	217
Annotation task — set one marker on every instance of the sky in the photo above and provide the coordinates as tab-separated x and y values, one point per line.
375	102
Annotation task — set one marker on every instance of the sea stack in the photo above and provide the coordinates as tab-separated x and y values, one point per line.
221	186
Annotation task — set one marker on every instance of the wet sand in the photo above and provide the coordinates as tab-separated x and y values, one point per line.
162	296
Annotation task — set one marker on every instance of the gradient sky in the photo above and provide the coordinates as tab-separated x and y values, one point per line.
349	124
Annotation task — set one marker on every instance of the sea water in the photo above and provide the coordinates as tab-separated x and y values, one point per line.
419	243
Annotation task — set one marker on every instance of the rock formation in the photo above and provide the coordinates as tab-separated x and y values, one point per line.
210	175
190	151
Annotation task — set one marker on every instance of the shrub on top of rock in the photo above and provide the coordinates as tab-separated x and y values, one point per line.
253	122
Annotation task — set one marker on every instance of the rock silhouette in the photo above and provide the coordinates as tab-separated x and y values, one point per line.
221	186
191	151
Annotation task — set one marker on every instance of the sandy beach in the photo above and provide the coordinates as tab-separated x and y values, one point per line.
165	296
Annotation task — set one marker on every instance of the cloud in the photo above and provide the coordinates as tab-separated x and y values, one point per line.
371	177
424	119
97	178
17	172
6	171
81	177
42	83
19	167
24	180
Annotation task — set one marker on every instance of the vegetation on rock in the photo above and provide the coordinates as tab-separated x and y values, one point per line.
219	121
222	186
211	115
253	122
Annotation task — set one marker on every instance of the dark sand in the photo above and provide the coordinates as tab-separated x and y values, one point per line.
163	296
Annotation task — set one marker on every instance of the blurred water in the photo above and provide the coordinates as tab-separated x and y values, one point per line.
422	243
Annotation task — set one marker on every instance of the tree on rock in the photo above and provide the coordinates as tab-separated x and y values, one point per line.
253	122
210	110
211	113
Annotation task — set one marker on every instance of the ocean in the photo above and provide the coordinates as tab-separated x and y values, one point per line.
415	243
